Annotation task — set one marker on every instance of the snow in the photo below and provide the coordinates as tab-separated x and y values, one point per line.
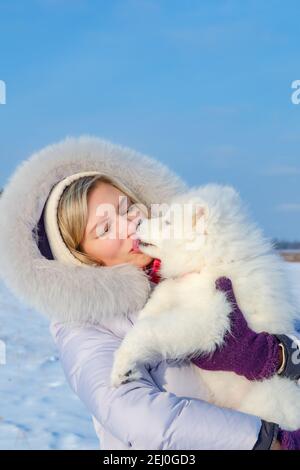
38	410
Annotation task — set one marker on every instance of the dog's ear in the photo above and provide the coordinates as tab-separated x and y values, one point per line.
200	211
200	214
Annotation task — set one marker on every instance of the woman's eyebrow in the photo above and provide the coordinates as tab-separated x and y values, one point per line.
121	202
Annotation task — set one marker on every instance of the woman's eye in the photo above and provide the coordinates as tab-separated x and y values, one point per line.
103	231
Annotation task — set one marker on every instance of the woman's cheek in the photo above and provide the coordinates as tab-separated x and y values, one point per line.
113	246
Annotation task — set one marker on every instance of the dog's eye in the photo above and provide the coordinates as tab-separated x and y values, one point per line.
167	222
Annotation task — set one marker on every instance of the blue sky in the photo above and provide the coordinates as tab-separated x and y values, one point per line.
204	86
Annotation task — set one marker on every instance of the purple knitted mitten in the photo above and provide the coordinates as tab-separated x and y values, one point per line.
255	356
289	440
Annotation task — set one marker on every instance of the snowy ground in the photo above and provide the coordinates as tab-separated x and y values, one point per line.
38	410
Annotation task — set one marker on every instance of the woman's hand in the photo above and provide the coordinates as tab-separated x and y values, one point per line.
255	356
289	440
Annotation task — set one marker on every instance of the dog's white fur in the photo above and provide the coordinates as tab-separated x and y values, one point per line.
187	315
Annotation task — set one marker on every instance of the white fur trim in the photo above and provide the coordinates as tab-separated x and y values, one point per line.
73	293
58	247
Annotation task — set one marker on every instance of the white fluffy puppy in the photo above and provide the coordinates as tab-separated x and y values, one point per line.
203	235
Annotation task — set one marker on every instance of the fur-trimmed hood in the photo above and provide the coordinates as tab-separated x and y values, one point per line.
66	293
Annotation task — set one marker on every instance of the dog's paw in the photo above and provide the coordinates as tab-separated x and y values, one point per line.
124	371
118	379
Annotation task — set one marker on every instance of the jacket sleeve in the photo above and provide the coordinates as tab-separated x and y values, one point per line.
141	414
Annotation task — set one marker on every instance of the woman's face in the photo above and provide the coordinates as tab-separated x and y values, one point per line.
111	226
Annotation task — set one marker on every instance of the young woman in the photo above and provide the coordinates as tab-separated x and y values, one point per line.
57	256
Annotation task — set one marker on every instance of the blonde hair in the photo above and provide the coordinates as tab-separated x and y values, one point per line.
72	212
